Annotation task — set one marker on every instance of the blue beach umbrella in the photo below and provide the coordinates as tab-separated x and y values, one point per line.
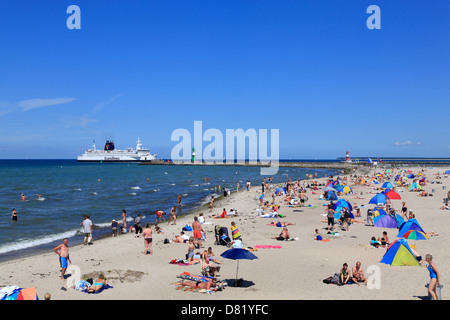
238	254
447	172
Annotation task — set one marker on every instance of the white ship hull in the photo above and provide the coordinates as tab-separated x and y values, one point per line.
129	155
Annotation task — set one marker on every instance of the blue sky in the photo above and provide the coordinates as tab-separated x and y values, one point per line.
310	68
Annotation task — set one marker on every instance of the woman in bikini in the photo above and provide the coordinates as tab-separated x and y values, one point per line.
147	233
98	284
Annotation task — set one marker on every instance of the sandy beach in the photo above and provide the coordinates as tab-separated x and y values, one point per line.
294	271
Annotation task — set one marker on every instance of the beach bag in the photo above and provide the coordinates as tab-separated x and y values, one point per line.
335	278
166	240
187	228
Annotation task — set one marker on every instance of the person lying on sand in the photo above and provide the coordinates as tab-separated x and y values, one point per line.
281	224
209	285
98	284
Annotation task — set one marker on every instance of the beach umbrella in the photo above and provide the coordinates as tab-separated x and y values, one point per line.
392	195
238	254
410	176
378	198
387	185
411	224
403	171
447	172
415	235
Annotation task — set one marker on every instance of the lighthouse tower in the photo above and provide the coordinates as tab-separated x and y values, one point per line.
347	157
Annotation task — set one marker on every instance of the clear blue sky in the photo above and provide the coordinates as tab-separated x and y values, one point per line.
310	68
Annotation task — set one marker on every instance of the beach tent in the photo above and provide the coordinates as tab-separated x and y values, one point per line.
387	185
447	172
385	221
392	195
410	224
27	294
16	293
342	203
410	176
378	198
378	212
347	190
399	219
399	254
332	195
415	185
338	213
328	188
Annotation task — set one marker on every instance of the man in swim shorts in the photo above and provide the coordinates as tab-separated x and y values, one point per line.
197	228
63	251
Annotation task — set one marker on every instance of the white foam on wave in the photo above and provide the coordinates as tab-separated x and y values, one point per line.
133	194
172	184
135	188
194	185
24	244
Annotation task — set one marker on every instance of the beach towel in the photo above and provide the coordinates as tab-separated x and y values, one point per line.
187	276
182	262
105	287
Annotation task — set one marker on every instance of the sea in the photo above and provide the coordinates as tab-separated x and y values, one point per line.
70	189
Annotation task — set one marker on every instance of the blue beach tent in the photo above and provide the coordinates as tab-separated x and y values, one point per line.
410	224
332	195
399	254
378	198
387	185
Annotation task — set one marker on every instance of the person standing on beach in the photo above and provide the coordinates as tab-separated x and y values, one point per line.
173	215
63	252
434	277
147	234
211	204
87	229
197	228
137	225
330	216
124	218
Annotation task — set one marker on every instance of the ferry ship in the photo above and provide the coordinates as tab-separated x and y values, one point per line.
111	154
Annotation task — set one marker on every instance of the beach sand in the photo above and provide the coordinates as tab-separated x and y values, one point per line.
294	271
